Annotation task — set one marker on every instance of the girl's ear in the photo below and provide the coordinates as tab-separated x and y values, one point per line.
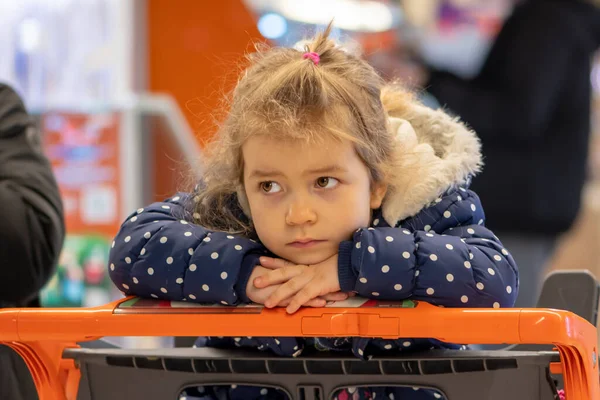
243	200
378	191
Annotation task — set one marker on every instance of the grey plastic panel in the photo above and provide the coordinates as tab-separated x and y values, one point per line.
575	291
460	375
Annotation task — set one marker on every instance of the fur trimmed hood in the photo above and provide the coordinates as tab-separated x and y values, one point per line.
436	152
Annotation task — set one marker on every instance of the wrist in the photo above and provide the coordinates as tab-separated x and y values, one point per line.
346	275
249	262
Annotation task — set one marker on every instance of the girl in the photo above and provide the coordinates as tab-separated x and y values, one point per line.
322	182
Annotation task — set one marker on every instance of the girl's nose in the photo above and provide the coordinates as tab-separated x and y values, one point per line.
299	214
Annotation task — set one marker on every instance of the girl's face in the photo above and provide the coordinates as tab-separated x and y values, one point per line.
307	198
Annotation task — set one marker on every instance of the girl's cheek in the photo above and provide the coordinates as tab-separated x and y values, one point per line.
332	195
266	205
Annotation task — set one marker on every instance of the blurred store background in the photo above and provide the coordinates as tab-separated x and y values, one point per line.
127	92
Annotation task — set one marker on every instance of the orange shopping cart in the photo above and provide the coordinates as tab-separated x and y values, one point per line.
53	344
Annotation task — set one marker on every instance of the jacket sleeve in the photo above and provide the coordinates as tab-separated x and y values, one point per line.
158	254
454	262
514	95
32	227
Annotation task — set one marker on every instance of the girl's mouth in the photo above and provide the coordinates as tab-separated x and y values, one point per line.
305	243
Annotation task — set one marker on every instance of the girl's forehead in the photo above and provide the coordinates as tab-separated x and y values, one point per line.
263	152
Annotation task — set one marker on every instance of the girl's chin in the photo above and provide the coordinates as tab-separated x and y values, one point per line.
308	259
305	256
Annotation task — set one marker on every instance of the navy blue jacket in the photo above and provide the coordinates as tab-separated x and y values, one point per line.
443	255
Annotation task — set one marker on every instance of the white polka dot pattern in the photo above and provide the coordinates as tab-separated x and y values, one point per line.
460	263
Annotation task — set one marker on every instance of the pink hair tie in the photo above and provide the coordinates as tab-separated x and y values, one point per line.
314	57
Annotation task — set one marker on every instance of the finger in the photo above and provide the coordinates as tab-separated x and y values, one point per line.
337	296
278	276
288	289
316	302
284	303
274	263
307	293
261	295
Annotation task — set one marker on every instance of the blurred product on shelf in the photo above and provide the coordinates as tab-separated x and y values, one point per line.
83	149
81	279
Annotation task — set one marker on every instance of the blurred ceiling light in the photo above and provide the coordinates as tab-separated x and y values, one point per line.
351	15
272	26
30	35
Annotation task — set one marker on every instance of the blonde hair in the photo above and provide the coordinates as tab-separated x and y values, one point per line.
283	95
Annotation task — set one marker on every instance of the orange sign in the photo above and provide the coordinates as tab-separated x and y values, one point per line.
84	152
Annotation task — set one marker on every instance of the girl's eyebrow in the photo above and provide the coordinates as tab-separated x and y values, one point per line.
258	173
334	168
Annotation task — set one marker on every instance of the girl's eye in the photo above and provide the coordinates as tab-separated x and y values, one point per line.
326	182
270	187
